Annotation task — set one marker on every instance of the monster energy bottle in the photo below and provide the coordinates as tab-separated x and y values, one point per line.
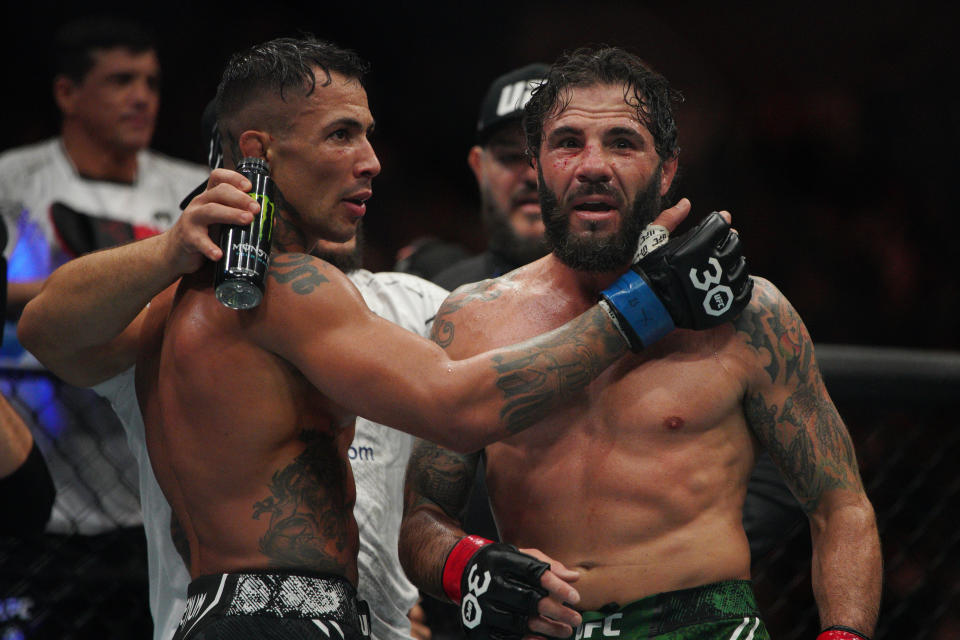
246	250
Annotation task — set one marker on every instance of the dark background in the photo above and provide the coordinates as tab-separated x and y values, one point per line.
827	129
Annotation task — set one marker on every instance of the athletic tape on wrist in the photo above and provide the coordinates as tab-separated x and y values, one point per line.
616	324
640	307
456	564
838	632
652	237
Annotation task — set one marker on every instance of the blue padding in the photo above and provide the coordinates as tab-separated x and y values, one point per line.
640	307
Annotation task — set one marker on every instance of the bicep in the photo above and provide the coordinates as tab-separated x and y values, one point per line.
788	407
87	366
320	324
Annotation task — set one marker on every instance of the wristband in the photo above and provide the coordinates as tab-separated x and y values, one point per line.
838	632
456	563
639	307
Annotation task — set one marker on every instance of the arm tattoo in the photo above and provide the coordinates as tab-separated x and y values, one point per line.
299	270
442	477
307	510
544	371
801	428
484	291
541	372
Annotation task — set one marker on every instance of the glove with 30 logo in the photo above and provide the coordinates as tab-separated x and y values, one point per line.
497	587
696	281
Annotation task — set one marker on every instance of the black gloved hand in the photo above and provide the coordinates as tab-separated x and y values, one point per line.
499	588
696	281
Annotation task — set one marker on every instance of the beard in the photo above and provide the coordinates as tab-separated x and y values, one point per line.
592	252
503	240
345	261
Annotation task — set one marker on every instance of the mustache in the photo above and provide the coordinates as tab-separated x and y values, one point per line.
595	189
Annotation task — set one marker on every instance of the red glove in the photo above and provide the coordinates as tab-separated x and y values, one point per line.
837	632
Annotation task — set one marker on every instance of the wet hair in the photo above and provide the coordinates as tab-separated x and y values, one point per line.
75	42
280	66
643	89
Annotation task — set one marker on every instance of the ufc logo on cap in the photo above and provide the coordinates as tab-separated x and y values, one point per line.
514	97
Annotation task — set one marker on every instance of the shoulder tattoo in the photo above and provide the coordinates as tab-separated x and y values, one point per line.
298	270
443	324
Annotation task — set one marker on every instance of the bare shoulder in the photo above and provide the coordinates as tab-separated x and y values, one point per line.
303	296
775	335
300	274
469	304
298	282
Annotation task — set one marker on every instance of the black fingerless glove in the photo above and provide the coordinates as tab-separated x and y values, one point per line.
696	281
497	587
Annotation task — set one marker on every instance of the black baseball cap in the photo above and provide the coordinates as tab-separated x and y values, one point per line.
506	97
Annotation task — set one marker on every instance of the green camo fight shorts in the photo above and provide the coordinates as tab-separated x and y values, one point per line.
720	611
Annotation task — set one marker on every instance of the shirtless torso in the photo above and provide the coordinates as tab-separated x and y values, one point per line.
249	415
638	481
251	455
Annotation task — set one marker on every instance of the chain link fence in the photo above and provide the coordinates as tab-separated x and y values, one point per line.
86	577
900	407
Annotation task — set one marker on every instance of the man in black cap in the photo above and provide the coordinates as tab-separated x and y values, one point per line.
508	184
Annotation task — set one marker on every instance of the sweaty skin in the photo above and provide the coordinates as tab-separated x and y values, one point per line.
248	425
638	481
630	471
249	414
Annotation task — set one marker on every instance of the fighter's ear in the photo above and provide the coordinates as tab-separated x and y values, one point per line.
473	160
668	171
253	144
64	90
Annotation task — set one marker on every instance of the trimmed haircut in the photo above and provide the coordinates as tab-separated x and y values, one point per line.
75	43
644	89
278	67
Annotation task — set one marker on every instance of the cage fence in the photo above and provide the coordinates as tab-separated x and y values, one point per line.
86	576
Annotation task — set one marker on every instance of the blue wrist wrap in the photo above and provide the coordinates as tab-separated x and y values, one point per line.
635	301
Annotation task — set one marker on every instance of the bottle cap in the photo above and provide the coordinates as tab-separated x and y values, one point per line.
256	165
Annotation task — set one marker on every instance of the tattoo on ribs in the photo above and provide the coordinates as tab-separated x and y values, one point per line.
298	269
307	509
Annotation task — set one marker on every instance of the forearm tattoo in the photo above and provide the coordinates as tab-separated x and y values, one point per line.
307	510
298	270
539	373
542	372
802	430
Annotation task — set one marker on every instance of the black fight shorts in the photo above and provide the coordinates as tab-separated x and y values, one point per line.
237	606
